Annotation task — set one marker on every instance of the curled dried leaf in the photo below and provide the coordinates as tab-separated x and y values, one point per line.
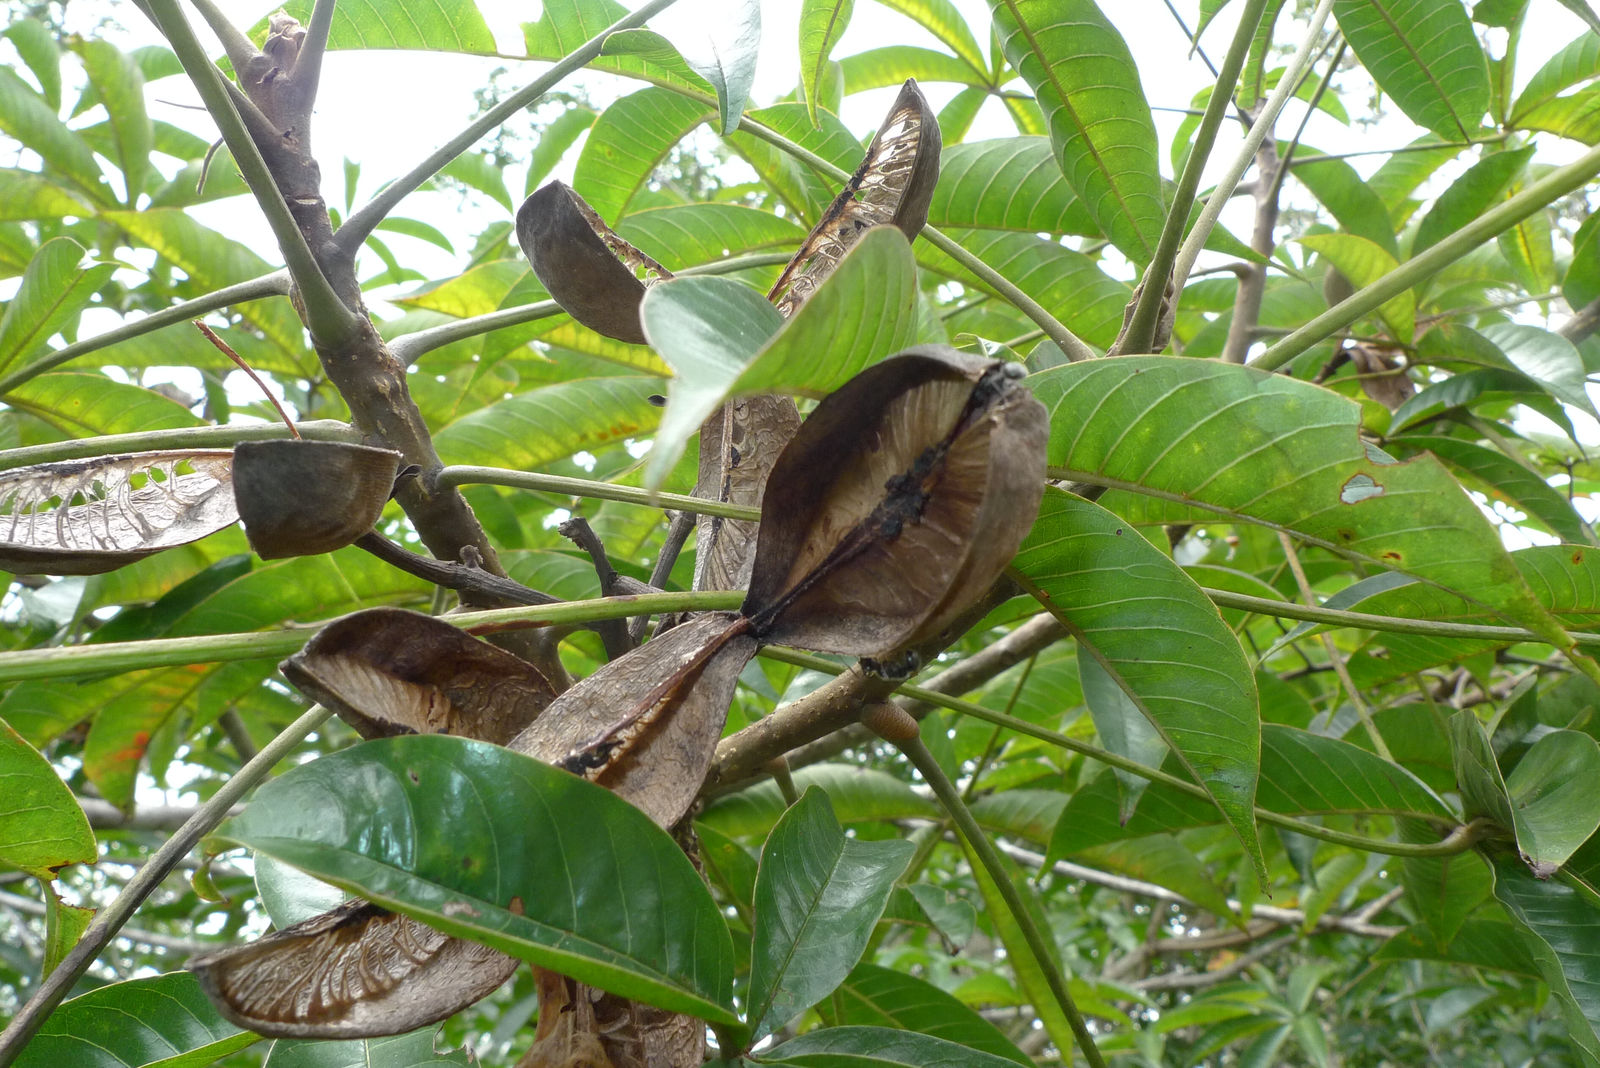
300	498
357	971
387	671
645	726
86	517
892	186
596	276
898	504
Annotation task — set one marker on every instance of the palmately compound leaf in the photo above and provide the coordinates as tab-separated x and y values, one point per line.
86	517
597	277
892	186
899	502
302	498
387	671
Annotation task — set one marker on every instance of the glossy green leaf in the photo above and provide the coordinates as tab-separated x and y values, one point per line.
563	25
25	195
162	1020
41	826
822	23
857	795
1469	196
1121	725
1576	116
877	1047
1547	358
34	123
1552	798
626	143
84	405
1565	925
1161	425
527	859
1158	637
431	25
1505	479
1575	64
891	65
1350	200
726	57
1483	790
1363	263
1301	774
687	235
412	1050
120	86
878	997
817	897
942	19
532	430
55	288
1084	77
720	340
1425	55
1253	78
1482	943
1012	183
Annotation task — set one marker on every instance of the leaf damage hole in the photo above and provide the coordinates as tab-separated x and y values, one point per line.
1359	488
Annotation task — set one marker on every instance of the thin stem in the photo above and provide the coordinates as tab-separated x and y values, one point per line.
409	348
979	843
1556	184
583	487
1147	311
356	230
275	284
1247	153
308	64
112	657
146	879
238	361
1460	838
331	322
189	437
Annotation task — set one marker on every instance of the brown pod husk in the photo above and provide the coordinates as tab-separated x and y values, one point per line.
87	517
898	504
738	446
357	971
645	726
387	671
300	498
893	186
597	277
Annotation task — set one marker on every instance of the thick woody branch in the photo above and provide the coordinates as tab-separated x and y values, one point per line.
1583	323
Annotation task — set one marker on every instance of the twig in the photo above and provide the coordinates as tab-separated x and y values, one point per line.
29	906
211	336
582	487
678	530
104	816
451	576
613	632
55	986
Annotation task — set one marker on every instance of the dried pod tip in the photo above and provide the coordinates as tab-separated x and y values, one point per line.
890	722
299	498
597	277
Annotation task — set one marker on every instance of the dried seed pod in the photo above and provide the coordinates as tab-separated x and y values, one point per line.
738	445
300	498
892	186
357	971
645	726
387	671
597	277
899	502
86	517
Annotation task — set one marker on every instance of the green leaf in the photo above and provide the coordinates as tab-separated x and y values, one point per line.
28	119
1576	116
1425	55
1483	791
1008	184
397	1051
876	1047
1162	426
1080	69
626	143
56	286
563	25
1363	263
1552	795
85	405
891	65
857	795
39	49
25	195
1349	199
534	429
727	57
1547	358
1582	283
1506	479
527	859
478	170
1122	727
64	925
1482	943
42	828
1301	774
163	1020
945	22
1469	196
822	23
686	235
1565	925
878	997
797	185
1159	637
1582	9
1574	64
719	338
429	25
120	86
558	135
818	895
